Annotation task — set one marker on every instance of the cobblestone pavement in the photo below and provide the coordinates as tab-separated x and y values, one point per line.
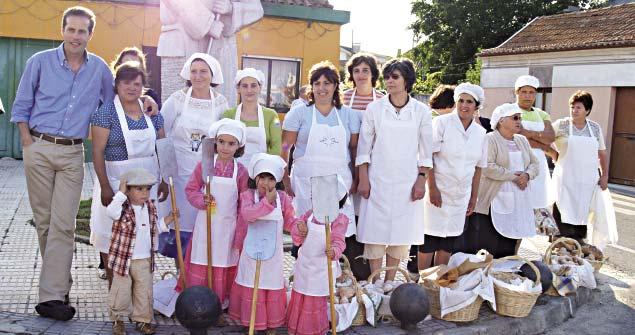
20	266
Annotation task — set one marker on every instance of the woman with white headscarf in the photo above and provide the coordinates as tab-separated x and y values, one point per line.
264	134
459	153
503	214
188	115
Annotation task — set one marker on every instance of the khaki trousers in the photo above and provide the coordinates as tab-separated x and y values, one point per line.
54	178
134	289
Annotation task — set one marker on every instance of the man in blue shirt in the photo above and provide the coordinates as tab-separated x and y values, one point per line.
59	90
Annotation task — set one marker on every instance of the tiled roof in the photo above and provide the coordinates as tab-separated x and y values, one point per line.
610	27
305	3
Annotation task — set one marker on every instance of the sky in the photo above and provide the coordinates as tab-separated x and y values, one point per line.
379	25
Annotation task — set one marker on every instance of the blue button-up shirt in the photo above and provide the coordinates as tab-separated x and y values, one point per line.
56	101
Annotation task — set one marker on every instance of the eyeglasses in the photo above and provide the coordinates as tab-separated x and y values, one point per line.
515	117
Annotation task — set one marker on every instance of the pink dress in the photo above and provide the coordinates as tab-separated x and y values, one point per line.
308	315
196	274
271	305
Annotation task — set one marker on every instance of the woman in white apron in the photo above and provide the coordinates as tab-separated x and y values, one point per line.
460	152
123	138
394	156
363	74
536	127
324	135
263	124
229	180
582	152
263	202
503	213
308	307
188	114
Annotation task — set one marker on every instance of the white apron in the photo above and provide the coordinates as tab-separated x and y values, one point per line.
454	182
140	145
511	211
356	197
310	274
576	177
256	137
272	270
389	216
189	129
539	187
326	153
225	192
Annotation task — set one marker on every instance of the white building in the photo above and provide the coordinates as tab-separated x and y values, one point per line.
592	50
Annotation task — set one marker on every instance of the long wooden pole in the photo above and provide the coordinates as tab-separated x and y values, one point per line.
208	192
254	299
329	268
177	228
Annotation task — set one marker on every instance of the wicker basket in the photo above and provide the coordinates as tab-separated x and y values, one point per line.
577	250
360	316
465	314
385	301
597	265
514	303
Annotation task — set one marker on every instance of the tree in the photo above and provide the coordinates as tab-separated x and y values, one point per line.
473	74
452	31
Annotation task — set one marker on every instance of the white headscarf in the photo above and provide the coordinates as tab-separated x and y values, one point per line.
474	90
214	65
263	162
229	127
502	111
249	72
526	80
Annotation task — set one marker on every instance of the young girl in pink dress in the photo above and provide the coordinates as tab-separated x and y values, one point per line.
230	178
307	313
263	201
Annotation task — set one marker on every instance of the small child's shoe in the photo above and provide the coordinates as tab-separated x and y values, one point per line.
145	328
118	328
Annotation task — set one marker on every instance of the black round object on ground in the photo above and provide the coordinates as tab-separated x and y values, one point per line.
546	276
409	304
197	309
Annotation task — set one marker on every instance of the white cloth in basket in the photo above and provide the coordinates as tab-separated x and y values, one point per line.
467	288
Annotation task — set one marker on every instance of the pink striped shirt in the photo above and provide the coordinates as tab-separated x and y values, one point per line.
361	101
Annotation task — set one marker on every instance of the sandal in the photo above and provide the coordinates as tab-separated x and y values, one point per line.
145	328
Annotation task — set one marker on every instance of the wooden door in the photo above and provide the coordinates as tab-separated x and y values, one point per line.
622	169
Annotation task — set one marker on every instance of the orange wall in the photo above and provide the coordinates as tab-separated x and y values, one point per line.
120	25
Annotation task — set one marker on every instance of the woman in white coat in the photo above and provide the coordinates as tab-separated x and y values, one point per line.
536	127
394	156
324	135
188	115
582	152
503	213
460	152
123	137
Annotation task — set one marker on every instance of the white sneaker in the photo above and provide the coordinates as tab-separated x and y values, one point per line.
389	286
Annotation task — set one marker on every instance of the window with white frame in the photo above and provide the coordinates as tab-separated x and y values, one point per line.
282	80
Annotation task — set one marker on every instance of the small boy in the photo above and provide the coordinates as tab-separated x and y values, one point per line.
131	253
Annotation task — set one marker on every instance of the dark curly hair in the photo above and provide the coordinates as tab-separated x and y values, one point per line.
129	71
442	97
361	58
405	66
329	71
251	183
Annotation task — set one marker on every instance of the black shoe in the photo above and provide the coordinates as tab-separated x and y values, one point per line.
55	309
67	299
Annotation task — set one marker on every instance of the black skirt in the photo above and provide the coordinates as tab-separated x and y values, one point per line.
576	232
480	233
435	243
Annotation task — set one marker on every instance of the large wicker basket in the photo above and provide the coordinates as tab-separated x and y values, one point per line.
465	314
360	316
514	303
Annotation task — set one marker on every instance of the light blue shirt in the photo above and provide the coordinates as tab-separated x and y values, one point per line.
300	118
56	101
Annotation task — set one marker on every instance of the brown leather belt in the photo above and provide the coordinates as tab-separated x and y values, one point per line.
56	140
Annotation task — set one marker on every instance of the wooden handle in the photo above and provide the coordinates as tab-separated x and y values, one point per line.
177	228
578	251
208	192
254	299
388	268
329	268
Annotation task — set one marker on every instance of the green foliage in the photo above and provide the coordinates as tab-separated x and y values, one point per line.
452	31
84	209
473	74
